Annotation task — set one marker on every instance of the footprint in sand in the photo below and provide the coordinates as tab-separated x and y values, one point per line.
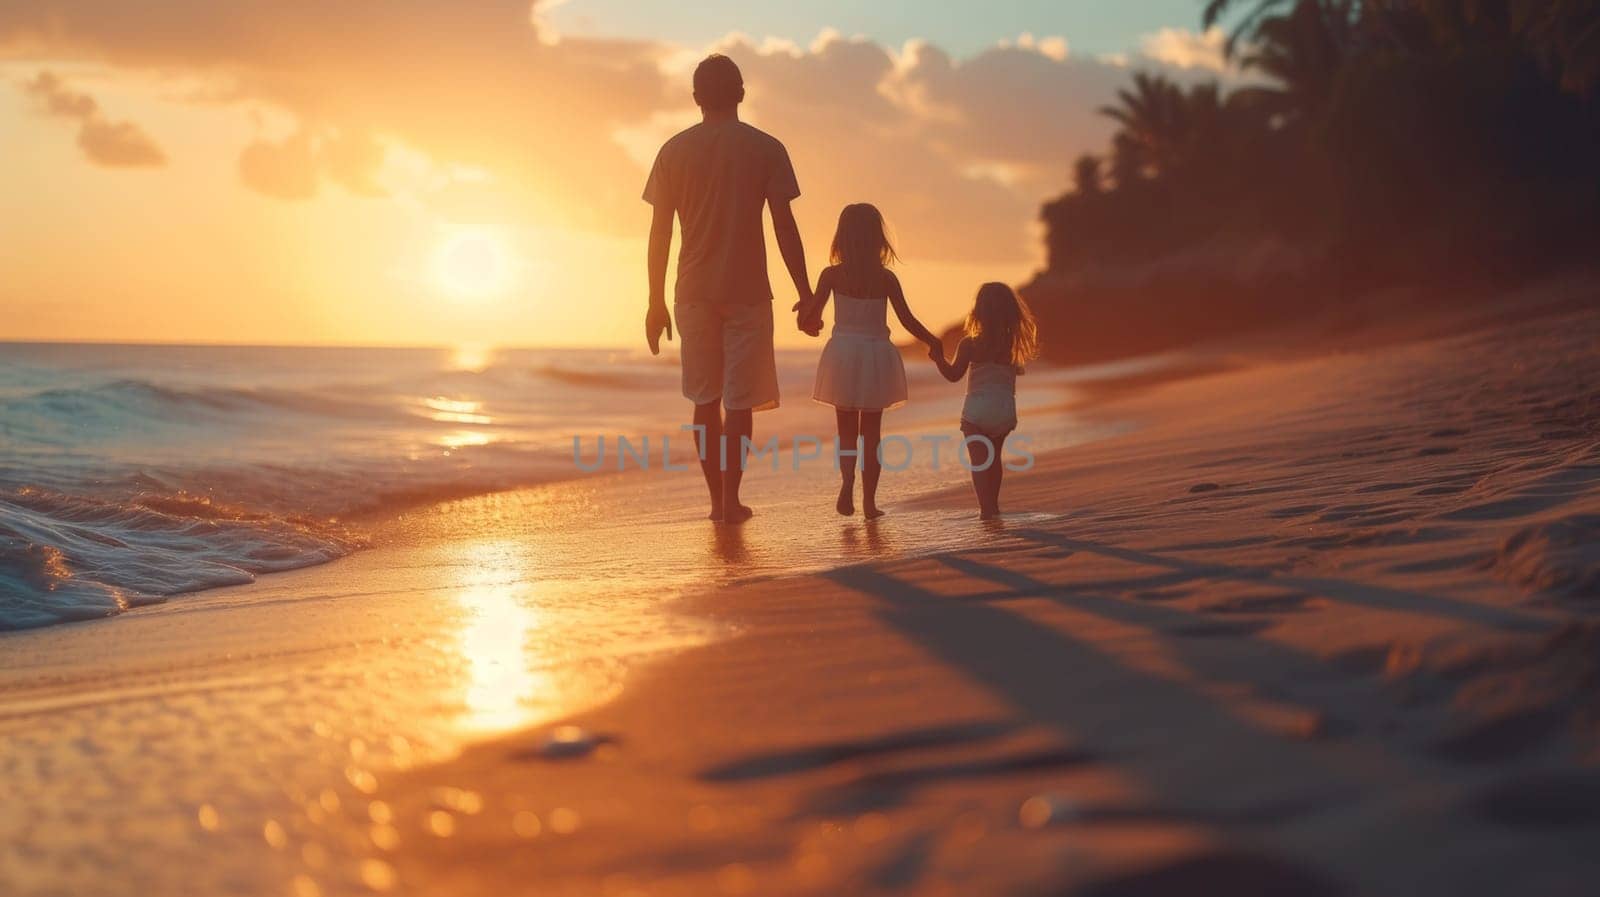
1438	450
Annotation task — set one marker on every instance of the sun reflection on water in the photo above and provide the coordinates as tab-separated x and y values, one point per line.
456	411
464	438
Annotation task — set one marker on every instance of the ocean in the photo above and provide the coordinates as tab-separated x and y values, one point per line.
132	473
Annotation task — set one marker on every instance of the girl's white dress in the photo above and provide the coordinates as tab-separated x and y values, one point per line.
860	369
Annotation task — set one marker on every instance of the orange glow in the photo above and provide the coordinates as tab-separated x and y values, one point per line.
472	265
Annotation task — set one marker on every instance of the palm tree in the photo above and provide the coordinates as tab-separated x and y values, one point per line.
1216	9
1086	178
1565	36
1304	51
1151	115
1129	164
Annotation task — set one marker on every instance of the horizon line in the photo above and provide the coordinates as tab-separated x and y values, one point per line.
223	344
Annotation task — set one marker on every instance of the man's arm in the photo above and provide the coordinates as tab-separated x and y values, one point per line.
794	252
657	318
808	315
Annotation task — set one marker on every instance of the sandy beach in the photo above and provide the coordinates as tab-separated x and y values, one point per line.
1313	626
1337	638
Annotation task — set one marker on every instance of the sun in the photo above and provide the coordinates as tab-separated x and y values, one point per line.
472	264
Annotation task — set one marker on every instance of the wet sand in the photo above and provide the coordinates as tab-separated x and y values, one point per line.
1323	626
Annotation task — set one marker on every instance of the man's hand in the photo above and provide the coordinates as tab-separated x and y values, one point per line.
803	320
656	320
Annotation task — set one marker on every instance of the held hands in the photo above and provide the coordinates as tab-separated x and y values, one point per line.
805	320
656	320
936	352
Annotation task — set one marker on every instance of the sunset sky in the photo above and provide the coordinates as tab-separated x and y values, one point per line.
412	172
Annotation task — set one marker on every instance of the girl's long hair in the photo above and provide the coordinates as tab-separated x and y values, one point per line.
862	238
1002	325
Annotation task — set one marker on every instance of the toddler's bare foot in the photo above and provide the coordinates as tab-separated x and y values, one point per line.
872	512
737	514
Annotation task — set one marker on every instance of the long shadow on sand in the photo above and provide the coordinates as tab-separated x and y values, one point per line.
1162	727
1204	764
1364	594
1185	732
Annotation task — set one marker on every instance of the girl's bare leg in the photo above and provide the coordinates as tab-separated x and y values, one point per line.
849	430
871	467
980	454
997	472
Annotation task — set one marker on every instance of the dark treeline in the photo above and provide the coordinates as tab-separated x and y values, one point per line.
1447	146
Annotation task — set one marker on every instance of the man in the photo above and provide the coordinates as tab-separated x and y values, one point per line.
716	177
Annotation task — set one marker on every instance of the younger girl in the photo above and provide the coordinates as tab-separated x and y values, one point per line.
860	373
1001	338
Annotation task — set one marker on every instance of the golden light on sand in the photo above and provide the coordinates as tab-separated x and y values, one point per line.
472	264
501	689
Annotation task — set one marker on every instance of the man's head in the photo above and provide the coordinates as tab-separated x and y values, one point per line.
718	85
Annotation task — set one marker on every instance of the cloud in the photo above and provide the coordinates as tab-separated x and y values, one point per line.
1187	49
113	144
286	169
119	144
958	152
295	167
467	83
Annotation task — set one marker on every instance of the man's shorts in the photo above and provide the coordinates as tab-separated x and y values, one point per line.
727	354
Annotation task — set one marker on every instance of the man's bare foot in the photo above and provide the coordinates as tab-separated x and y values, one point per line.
846	504
715	516
872	512
737	514
990	515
